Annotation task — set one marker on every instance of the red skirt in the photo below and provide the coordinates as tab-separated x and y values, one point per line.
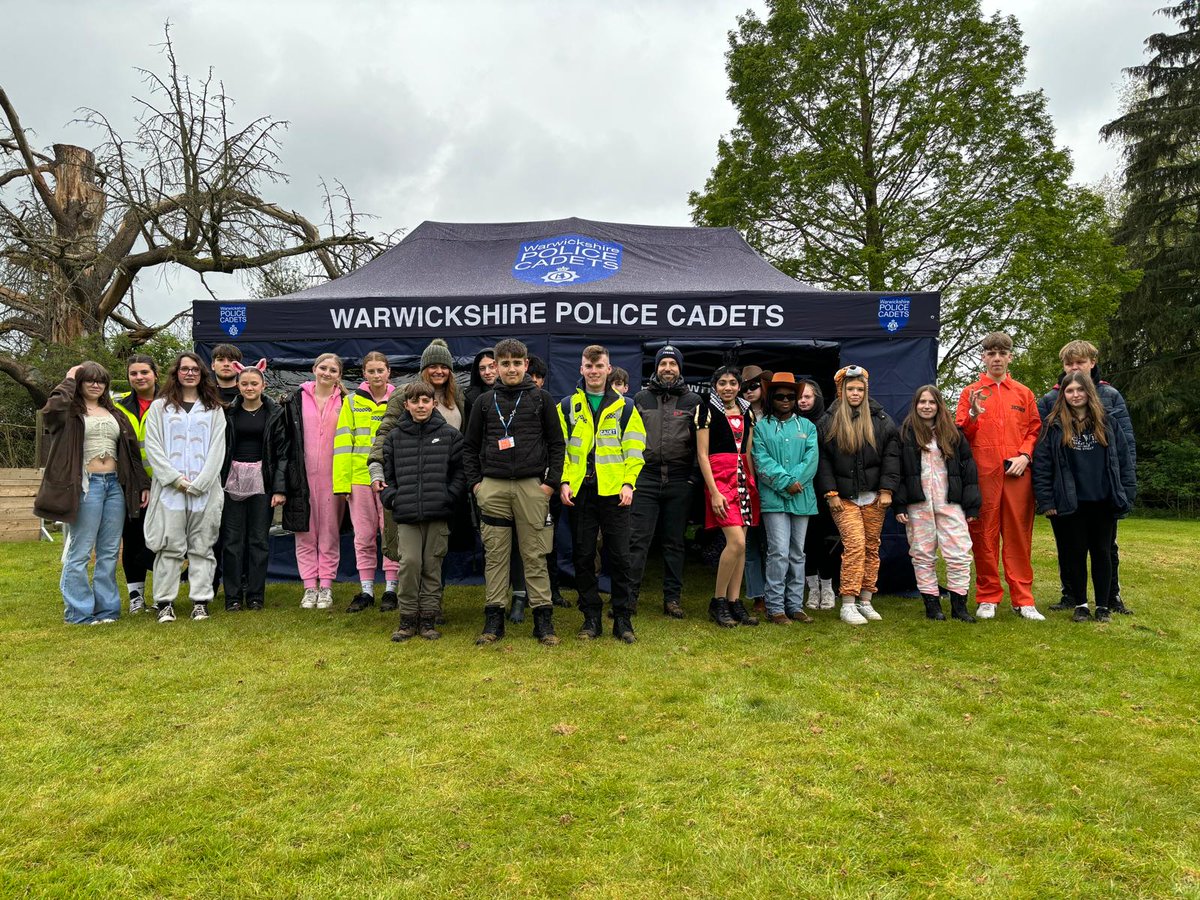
742	499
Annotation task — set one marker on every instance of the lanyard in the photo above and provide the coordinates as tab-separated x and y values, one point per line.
504	423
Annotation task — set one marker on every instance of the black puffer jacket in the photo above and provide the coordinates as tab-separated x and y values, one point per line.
870	469
961	475
539	450
423	470
296	509
669	414
277	444
1054	482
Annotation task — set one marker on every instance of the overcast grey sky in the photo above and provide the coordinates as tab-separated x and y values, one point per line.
466	110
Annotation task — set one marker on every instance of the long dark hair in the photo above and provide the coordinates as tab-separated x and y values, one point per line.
91	371
210	397
1093	418
943	429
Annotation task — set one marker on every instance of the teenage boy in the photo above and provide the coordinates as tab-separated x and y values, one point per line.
618	380
664	486
1082	356
1000	419
358	423
226	363
422	468
606	442
514	458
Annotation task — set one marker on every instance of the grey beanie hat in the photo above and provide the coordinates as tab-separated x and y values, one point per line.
437	354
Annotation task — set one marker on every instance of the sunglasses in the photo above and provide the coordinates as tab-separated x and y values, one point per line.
783	395
753	385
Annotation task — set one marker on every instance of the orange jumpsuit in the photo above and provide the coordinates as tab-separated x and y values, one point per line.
1008	426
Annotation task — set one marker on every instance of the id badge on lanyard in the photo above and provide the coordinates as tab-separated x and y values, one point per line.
508	441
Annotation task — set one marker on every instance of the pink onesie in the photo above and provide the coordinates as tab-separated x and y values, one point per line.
318	550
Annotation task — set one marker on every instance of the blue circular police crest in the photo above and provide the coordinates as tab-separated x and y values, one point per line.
566	259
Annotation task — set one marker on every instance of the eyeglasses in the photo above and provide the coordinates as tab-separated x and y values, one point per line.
188	370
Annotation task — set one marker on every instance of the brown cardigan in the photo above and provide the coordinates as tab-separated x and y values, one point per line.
62	482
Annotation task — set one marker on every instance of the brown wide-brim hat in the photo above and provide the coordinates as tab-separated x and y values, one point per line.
750	373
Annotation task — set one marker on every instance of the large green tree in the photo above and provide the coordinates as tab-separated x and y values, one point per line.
888	145
1155	334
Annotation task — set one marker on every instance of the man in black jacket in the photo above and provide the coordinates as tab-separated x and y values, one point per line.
664	486
1082	356
514	460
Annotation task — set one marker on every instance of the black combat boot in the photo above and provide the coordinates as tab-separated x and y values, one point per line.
543	626
623	629
958	608
740	614
718	611
493	625
933	607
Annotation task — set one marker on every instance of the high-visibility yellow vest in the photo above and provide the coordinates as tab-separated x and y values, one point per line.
123	402
615	435
357	424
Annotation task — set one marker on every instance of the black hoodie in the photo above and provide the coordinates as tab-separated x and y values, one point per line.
475	386
538	449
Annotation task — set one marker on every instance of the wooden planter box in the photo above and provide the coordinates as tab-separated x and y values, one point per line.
18	487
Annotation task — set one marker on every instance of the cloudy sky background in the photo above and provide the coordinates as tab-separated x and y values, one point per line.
480	110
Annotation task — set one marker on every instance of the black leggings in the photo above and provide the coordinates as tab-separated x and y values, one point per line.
136	560
1086	532
819	542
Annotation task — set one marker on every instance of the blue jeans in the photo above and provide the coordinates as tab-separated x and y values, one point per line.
98	527
755	561
785	561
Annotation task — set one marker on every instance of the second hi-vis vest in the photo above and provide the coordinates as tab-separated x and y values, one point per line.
123	402
357	424
616	435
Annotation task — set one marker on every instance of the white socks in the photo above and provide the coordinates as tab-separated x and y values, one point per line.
368	587
391	586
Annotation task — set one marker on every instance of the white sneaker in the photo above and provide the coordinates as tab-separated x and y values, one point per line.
166	613
851	615
309	600
137	603
813	584
828	597
199	612
867	611
985	611
1030	612
324	598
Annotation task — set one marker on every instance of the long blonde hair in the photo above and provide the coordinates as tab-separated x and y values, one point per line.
849	432
1094	418
324	357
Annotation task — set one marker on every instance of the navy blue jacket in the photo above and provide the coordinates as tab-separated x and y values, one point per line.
1054	483
1110	398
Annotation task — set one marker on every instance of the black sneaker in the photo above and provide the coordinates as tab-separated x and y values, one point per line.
1082	614
1102	614
1119	607
1063	605
390	602
360	602
255	604
232	605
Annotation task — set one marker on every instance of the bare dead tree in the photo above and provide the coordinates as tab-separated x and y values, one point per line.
188	189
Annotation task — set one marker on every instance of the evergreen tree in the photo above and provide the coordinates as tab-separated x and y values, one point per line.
1155	334
888	145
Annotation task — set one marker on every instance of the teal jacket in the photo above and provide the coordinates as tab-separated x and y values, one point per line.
786	452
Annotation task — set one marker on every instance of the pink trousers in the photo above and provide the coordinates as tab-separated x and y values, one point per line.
319	549
366	515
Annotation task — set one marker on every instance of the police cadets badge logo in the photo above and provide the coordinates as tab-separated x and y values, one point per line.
233	319
893	313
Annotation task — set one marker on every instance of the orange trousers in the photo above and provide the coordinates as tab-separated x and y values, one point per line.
860	527
1004	528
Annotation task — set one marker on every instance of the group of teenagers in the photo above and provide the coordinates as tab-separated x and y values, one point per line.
191	470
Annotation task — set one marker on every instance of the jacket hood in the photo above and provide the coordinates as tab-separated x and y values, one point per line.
525	385
476	379
818	410
365	389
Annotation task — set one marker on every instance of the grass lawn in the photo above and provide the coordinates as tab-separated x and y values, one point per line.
300	753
